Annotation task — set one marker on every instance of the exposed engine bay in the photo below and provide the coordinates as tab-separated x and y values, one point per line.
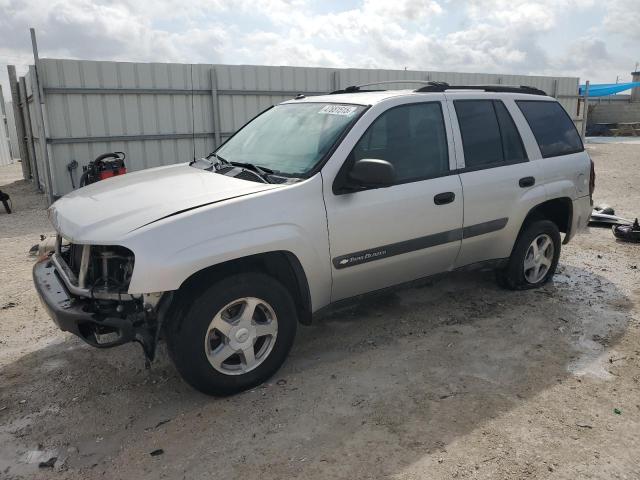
99	269
97	278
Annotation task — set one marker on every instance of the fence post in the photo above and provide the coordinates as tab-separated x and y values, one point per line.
42	134
335	81
17	116
217	128
38	101
585	112
28	127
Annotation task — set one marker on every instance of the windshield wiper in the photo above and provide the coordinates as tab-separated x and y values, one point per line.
256	168
263	172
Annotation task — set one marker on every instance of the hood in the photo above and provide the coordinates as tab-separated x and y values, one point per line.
109	209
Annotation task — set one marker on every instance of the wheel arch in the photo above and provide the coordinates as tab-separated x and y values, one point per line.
282	265
558	210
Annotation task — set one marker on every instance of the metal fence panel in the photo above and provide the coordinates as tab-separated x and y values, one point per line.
160	113
36	132
13	134
5	143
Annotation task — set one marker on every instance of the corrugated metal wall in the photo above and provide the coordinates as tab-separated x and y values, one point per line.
13	135
153	111
37	135
5	148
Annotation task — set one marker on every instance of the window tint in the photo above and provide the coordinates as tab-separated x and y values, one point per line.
554	131
512	147
489	136
480	132
410	137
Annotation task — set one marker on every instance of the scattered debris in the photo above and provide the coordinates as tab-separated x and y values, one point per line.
627	233
162	422
8	305
159	424
49	463
156	452
583	425
46	245
61	465
603	220
604	208
281	382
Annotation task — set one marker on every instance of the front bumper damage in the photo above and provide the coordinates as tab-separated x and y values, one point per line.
100	323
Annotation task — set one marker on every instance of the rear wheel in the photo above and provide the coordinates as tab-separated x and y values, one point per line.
534	258
234	334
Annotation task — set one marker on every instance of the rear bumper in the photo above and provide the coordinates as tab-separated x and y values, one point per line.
74	315
580	218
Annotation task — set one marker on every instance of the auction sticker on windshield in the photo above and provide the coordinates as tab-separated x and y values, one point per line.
345	110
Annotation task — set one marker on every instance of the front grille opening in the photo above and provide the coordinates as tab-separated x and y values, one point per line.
109	267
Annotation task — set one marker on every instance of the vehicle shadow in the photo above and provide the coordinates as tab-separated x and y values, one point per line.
368	391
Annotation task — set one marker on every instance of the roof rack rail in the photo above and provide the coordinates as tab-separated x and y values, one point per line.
357	88
443	86
431	86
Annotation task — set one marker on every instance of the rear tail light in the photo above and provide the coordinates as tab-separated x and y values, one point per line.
592	179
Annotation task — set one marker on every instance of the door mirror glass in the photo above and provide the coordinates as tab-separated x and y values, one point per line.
372	172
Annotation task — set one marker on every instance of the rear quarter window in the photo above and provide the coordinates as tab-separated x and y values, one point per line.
551	126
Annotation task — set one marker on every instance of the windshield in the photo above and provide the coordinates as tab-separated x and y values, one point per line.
290	139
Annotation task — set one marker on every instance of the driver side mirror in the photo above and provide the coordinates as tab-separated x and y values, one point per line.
372	173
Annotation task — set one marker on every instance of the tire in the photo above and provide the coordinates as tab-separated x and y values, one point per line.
518	275
215	322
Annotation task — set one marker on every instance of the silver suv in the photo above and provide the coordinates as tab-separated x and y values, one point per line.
315	200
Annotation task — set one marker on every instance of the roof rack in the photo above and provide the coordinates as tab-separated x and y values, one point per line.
431	86
357	88
443	86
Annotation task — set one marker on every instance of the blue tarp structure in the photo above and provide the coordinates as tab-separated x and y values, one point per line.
604	89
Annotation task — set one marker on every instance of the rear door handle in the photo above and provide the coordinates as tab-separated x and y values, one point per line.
527	182
443	198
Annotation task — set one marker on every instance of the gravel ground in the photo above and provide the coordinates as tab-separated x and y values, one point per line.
455	379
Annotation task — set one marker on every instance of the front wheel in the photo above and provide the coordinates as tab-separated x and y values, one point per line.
534	258
234	334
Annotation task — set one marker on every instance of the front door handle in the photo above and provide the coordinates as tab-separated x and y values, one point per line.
443	198
527	182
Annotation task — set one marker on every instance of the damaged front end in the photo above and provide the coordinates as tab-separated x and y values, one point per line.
85	291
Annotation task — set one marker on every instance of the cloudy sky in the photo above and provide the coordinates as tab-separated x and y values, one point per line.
591	39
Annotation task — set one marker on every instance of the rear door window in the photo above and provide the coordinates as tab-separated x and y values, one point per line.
512	146
489	136
551	126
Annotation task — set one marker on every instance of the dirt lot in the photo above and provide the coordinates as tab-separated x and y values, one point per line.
455	379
